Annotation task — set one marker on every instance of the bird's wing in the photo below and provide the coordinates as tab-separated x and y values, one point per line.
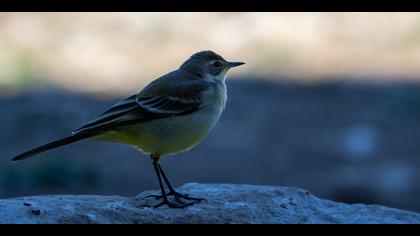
146	106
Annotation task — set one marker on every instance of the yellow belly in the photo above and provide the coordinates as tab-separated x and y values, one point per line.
166	136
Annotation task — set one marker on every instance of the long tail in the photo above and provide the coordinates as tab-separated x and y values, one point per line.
52	145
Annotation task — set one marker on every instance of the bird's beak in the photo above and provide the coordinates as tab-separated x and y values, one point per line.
234	64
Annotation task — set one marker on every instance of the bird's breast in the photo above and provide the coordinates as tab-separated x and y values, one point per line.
216	97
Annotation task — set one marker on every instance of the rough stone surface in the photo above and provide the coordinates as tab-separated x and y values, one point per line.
226	203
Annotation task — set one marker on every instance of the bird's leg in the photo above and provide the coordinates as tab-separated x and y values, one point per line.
175	193
165	200
172	191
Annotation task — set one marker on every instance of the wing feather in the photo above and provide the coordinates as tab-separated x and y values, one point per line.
134	110
174	94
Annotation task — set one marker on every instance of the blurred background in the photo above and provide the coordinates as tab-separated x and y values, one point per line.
329	102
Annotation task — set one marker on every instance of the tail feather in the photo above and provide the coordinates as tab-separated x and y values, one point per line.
52	145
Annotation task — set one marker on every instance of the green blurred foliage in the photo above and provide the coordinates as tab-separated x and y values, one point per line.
22	70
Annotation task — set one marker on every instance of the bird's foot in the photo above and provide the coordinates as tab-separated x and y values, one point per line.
180	205
177	197
186	197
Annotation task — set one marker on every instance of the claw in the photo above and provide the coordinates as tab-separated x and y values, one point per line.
177	197
189	198
186	197
169	204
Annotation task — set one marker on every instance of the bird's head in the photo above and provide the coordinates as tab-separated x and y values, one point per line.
209	63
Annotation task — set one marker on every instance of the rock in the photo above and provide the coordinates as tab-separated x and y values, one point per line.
226	203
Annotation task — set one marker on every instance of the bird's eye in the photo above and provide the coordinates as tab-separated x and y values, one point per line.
217	64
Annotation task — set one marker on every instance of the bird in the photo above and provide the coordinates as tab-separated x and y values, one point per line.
170	115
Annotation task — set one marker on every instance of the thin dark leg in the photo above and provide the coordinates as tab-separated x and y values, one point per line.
162	189
172	190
